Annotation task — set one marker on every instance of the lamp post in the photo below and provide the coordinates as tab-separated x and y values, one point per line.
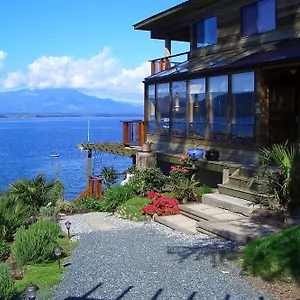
68	225
31	290
57	253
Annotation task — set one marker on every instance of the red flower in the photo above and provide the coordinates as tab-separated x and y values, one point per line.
280	172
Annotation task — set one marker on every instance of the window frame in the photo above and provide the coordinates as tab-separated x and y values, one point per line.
196	32
257	32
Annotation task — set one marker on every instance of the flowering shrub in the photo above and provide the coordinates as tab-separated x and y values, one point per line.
153	195
177	174
162	206
186	160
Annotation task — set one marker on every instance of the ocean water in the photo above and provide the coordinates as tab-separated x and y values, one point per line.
25	146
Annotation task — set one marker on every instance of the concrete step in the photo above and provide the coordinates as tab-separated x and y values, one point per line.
245	182
239	192
179	223
241	231
230	203
204	212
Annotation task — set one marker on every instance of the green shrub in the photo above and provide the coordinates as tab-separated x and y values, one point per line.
35	244
65	206
275	256
6	284
49	213
150	179
110	176
116	196
89	204
132	209
172	195
4	250
13	214
203	189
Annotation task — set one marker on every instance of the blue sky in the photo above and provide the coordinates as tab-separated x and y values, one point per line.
86	44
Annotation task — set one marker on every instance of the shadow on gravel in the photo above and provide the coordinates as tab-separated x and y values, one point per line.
218	253
156	296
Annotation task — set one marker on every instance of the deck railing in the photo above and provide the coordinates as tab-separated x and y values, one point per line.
94	189
133	132
164	63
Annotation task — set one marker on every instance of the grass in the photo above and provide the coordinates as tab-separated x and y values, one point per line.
47	275
276	256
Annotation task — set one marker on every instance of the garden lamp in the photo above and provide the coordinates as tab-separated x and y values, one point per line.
68	225
57	253
31	290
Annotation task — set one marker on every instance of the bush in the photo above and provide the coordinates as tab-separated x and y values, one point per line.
6	284
65	206
35	244
4	250
203	189
178	174
116	196
150	179
275	256
110	176
132	209
172	195
49	213
89	204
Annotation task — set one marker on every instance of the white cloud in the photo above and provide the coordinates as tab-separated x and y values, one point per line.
101	75
2	58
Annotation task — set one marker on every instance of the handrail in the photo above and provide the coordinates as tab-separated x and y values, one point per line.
170	56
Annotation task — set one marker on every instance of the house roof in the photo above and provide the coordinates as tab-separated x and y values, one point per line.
243	57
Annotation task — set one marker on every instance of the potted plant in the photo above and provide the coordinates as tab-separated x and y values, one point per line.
212	154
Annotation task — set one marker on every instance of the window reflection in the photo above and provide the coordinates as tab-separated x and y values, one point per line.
242	128
162	109
196	108
178	108
151	113
206	32
218	103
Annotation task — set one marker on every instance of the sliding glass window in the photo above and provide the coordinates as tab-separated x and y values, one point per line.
178	108
151	107
162	111
218	106
242	128
196	108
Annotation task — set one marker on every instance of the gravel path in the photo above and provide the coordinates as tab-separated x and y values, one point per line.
150	261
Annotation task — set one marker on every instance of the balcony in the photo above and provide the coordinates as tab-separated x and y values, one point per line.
164	63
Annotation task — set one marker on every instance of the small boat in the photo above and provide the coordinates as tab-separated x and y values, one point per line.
53	155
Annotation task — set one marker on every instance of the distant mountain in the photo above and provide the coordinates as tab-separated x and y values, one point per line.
62	102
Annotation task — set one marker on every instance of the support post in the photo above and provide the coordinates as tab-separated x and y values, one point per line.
89	164
225	176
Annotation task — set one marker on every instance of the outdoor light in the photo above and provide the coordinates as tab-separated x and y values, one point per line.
57	253
196	105
176	106
31	291
68	225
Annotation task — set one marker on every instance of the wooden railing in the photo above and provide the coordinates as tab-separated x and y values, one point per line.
164	63
133	132
94	189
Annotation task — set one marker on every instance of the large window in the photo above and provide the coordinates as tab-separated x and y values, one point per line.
207	32
162	109
151	113
178	108
196	108
218	107
242	128
259	17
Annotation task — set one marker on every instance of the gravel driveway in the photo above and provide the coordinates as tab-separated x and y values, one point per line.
151	262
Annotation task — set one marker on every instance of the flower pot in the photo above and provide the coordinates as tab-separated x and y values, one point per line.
212	155
146	147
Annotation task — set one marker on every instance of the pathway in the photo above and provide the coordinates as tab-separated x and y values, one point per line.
123	260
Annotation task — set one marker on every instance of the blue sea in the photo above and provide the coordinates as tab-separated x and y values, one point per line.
26	143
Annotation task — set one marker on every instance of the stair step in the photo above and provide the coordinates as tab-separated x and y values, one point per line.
230	203
179	223
244	182
241	231
239	192
204	212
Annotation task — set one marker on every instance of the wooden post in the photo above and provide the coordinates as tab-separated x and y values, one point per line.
142	133
152	67
99	189
161	65
89	164
90	192
125	132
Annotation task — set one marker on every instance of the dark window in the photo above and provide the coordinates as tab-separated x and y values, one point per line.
259	17
206	32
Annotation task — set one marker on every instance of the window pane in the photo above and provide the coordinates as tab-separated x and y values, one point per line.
242	128
200	34
210	31
151	114
162	109
249	20
197	108
266	15
179	108
218	102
